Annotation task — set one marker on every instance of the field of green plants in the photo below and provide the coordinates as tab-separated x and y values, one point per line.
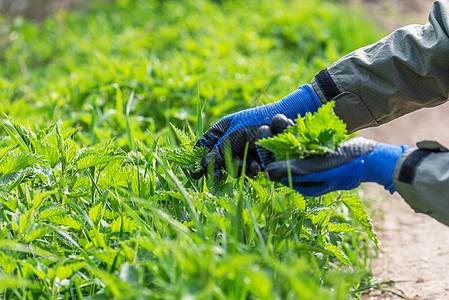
93	99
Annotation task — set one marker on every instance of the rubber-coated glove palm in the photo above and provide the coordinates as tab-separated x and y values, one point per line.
354	161
240	128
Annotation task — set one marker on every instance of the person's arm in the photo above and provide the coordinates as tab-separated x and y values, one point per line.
403	72
237	130
421	177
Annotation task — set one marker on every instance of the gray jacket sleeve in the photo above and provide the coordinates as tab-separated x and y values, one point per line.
421	176
403	72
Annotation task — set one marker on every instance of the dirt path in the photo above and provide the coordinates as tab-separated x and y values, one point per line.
414	248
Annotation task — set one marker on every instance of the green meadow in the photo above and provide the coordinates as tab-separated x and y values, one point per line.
93	99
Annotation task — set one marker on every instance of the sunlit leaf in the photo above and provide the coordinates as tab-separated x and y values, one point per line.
359	211
315	134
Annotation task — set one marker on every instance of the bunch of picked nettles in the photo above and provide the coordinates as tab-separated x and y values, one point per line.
315	134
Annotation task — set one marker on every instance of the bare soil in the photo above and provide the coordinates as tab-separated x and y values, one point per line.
414	249
35	10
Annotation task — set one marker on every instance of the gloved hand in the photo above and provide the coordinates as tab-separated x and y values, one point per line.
354	161
240	128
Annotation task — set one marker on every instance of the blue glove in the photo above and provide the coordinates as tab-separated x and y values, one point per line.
240	128
354	161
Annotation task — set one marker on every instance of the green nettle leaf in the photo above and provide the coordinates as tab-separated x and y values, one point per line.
182	136
14	162
114	175
91	157
5	150
49	152
98	238
11	180
95	213
108	256
36	231
337	252
62	272
7	263
187	158
29	270
52	211
25	220
10	202
315	134
24	133
71	150
341	227
128	225
39	198
66	221
320	215
355	205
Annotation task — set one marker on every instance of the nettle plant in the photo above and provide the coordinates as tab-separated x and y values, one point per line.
96	221
315	134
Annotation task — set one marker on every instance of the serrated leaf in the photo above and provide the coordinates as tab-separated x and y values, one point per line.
10	181
18	142
25	220
98	238
337	252
5	150
35	232
18	161
341	227
10	202
261	191
8	263
49	152
40	197
52	211
95	213
67	270
142	148
91	157
320	215
114	175
315	134
355	205
128	225
72	150
182	136
24	133
66	221
187	158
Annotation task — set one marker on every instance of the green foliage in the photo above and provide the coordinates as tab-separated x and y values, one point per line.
189	159
174	58
360	213
95	202
249	240
315	134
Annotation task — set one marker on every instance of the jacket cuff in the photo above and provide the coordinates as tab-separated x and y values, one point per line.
421	178
348	106
409	162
